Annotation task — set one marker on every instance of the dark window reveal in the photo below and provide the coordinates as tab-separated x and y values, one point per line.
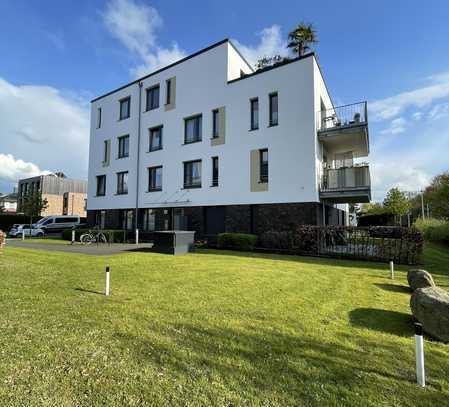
215	171
273	109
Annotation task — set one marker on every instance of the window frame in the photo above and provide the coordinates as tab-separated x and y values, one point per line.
97	192
152	188
105	151
121	101
98	117
215	123
168	90
151	131
121	146
254	124
192	185
272	122
215	171
149	98
263	178
199	117
122	184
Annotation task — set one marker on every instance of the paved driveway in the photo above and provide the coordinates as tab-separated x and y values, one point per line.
93	249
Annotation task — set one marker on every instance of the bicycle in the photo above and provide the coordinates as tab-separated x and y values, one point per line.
93	237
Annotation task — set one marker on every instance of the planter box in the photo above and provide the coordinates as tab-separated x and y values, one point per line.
174	241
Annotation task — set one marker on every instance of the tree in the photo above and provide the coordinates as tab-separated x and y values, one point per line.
33	205
301	37
397	203
437	195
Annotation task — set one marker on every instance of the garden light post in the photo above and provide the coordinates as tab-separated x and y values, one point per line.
73	236
419	343
137	236
23	234
107	282
392	269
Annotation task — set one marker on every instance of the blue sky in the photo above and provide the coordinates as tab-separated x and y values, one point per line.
57	55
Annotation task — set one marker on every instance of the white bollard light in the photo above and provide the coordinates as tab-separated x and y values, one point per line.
420	373
73	236
23	234
107	281
137	236
392	269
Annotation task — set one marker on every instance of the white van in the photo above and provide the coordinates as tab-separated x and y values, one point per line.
57	223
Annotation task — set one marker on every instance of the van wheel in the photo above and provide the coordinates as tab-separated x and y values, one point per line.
40	234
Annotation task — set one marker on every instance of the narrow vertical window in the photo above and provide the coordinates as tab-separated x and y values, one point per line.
156	138
168	92
273	100
155	179
122	183
254	103
98	117
263	154
215	123
125	108
101	185
153	97
106	151
215	171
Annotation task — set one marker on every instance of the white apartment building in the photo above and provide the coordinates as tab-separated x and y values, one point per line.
209	144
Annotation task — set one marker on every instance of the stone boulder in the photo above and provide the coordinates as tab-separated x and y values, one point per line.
430	306
419	279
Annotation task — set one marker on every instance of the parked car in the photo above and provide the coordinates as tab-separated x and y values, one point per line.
33	232
51	224
16	230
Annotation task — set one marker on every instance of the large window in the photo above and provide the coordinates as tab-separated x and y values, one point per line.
273	100
192	174
155	138
123	147
122	183
168	94
155	178
98	117
125	108
149	220
215	171
192	129
263	165
100	219
101	185
254	104
153	97
215	123
127	216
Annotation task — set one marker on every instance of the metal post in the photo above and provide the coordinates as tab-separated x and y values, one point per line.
422	204
137	236
73	236
392	269
420	373
107	282
324	215
23	234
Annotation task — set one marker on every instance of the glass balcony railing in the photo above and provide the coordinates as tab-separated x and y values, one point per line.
346	178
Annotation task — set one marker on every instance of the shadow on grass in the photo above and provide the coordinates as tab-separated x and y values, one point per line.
88	291
391	322
395	288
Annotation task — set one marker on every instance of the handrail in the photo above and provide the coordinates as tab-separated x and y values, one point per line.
353	114
346	178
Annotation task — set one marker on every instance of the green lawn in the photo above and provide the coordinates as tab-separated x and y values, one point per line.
211	328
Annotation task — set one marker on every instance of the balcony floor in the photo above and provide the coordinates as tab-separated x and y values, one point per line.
347	195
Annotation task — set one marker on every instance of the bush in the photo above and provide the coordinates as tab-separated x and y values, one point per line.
434	230
112	236
236	241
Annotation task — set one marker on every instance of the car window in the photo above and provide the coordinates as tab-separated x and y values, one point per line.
46	222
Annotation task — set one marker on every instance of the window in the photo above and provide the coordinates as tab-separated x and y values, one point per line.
123	147
106	151
125	108
149	220
122	183
100	219
215	171
98	117
192	174
263	165
254	103
127	217
155	179
192	129
101	185
215	123
273	100
153	97
168	90
156	138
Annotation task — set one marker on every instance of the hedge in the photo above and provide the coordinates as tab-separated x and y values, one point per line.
9	219
236	241
112	236
434	230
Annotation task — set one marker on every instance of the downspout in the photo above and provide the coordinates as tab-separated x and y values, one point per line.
136	217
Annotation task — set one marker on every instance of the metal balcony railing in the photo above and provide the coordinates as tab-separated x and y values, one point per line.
346	178
352	115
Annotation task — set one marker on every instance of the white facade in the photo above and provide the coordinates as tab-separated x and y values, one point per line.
205	82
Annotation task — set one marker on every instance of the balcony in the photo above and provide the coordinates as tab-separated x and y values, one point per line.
344	128
346	185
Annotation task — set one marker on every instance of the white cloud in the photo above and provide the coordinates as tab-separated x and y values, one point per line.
439	111
394	105
12	169
271	43
41	127
135	25
396	126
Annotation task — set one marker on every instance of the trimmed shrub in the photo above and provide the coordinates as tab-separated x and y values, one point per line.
236	241
112	236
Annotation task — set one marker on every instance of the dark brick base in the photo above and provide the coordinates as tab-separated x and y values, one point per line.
237	218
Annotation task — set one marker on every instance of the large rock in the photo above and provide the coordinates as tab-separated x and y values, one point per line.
419	279
430	306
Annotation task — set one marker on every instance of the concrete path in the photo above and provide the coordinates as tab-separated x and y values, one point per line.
93	249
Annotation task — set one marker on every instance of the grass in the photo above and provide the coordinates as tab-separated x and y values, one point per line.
45	240
211	328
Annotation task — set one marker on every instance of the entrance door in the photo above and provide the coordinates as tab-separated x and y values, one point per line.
215	220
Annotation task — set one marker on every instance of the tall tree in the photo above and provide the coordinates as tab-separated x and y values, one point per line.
397	203
33	205
437	195
301	37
